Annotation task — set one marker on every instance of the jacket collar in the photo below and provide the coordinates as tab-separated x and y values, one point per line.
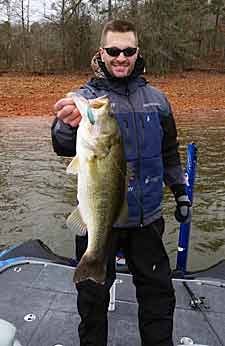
103	80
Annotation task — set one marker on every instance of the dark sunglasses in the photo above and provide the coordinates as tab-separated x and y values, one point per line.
114	51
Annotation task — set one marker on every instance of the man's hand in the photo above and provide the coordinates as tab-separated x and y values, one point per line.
66	110
183	210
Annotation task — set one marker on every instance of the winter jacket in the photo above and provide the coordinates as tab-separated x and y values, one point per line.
150	141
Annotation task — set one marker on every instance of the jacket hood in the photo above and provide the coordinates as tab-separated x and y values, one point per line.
104	80
100	70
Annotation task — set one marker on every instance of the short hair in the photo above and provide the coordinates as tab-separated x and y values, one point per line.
118	26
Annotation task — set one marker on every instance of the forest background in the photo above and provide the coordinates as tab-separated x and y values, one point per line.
46	47
175	35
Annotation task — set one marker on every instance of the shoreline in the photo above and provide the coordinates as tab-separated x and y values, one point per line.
200	95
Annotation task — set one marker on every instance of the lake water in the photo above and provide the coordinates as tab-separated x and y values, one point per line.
36	194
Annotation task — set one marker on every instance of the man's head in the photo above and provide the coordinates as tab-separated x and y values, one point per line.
119	47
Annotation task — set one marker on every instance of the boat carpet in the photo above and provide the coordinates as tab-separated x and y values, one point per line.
39	298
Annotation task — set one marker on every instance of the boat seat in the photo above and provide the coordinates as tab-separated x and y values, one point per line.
120	261
112	301
7	334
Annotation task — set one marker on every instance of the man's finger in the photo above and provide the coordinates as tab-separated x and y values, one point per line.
62	103
69	118
65	112
72	120
75	122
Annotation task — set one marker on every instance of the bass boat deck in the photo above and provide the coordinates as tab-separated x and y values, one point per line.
38	297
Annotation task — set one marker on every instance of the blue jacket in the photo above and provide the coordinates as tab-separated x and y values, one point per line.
149	134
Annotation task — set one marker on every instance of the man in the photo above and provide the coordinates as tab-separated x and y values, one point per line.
149	135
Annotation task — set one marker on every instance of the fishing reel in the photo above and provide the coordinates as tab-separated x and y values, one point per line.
199	302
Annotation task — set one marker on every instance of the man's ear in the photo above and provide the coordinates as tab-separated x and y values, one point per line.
101	51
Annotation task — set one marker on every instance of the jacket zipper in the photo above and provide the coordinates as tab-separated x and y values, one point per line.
139	160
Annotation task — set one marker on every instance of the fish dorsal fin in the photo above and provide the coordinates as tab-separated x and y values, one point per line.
73	166
75	223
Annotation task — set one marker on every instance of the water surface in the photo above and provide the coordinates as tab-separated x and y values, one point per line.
36	194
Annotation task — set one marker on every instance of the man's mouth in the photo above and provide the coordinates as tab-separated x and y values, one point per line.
120	68
120	65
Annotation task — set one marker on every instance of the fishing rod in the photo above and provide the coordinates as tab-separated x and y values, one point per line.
185	229
197	303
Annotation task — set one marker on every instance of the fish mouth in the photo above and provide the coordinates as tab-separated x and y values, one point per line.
99	102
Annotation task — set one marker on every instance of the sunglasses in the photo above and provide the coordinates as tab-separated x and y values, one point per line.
114	51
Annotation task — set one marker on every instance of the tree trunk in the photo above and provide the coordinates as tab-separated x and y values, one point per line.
109	9
62	30
216	28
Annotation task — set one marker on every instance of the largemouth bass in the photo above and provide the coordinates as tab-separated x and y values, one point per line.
101	186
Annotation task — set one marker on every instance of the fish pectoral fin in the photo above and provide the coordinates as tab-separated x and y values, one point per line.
73	166
76	224
123	215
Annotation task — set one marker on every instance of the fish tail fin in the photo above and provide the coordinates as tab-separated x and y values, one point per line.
90	268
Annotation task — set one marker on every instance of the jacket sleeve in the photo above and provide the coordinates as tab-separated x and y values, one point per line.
173	172
63	138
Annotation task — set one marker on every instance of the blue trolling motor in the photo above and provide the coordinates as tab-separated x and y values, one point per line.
185	229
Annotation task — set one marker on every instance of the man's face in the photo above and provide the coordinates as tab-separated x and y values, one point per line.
119	66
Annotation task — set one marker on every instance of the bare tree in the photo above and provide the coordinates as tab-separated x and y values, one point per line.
21	13
6	34
64	11
173	34
5	6
218	9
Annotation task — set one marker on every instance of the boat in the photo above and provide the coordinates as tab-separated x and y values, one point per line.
38	299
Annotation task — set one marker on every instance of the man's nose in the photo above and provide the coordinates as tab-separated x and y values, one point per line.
121	56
